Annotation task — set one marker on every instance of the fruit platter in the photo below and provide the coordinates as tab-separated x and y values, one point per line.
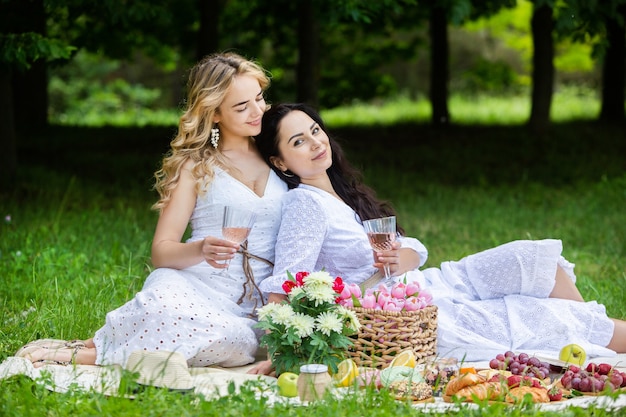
509	378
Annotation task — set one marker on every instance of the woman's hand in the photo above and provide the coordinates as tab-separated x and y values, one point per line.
262	368
400	259
390	257
216	251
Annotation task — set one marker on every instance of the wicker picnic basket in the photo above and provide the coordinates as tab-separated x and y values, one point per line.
384	334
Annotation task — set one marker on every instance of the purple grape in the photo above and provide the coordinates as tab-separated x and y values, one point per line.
566	380
500	357
576	382
598	385
534	361
617	379
585	385
494	364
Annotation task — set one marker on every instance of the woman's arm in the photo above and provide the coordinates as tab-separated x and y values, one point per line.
167	249
300	239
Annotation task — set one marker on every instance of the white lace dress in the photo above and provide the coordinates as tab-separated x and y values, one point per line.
206	317
489	302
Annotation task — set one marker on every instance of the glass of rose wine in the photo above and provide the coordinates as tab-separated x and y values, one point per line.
381	233
236	225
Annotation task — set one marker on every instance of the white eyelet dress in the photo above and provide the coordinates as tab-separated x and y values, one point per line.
488	302
206	317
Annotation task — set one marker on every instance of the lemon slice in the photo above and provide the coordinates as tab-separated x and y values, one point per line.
404	358
347	371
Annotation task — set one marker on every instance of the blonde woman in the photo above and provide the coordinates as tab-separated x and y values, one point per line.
186	304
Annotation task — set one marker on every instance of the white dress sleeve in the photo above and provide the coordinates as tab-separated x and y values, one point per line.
417	246
302	232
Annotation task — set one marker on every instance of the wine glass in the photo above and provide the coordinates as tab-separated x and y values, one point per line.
236	226
381	233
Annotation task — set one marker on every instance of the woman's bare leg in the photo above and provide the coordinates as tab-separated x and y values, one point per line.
564	287
77	352
80	356
618	342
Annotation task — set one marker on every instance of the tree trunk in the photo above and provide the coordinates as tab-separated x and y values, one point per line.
542	25
613	71
439	66
8	156
30	87
308	68
208	33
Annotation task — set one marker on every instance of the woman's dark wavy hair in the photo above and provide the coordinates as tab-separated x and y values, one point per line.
345	179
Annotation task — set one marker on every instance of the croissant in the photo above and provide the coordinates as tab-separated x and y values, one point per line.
539	395
485	391
463	381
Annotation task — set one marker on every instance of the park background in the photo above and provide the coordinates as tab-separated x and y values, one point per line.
481	121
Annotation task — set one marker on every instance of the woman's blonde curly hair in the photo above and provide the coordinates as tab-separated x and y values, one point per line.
209	81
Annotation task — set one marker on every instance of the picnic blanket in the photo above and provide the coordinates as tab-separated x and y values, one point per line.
212	382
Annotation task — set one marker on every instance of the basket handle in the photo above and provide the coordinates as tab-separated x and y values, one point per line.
372	281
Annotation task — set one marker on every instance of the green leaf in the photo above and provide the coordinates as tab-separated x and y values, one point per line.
355	301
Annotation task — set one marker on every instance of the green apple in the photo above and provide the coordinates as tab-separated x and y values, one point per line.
573	353
288	384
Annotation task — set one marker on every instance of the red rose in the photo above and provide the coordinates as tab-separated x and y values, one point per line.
300	278
288	286
338	285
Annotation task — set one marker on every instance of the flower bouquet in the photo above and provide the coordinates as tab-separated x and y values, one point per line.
310	327
392	320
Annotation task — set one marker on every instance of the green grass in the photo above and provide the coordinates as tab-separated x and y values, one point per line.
569	104
77	242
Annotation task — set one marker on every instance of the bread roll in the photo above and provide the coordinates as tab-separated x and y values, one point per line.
463	381
539	395
491	391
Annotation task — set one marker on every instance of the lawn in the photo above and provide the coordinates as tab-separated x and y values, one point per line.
75	233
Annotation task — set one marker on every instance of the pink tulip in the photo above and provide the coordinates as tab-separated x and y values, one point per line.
347	302
383	289
399	302
369	301
412	288
355	290
382	299
398	290
345	293
426	297
391	306
412	304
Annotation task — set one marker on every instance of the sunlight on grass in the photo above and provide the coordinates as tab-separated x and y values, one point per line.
569	103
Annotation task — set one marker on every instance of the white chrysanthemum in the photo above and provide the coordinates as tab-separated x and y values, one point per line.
303	324
321	278
329	322
352	320
282	314
321	294
267	310
296	291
